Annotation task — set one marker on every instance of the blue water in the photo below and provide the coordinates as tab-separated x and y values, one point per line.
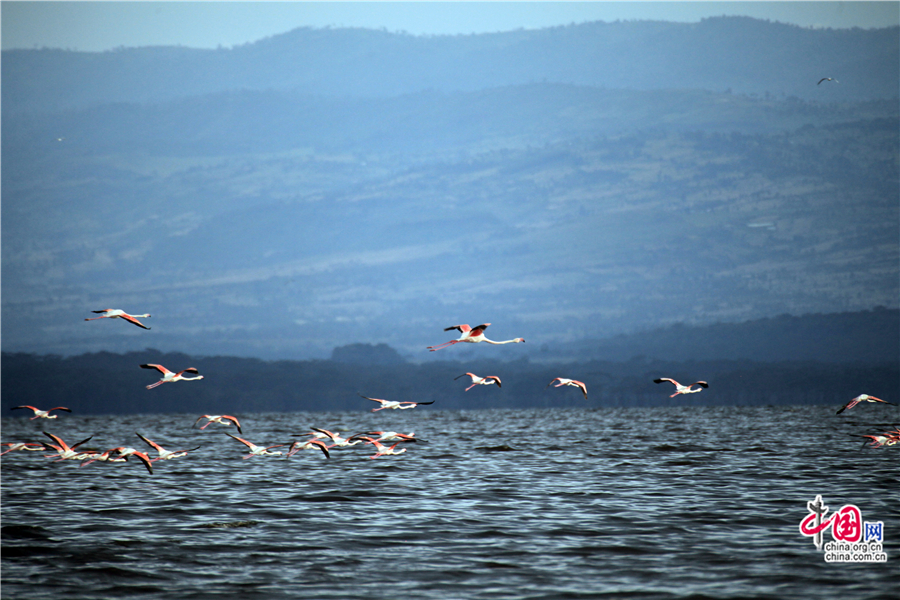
550	503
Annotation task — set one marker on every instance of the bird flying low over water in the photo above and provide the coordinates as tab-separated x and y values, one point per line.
257	450
115	313
308	445
384	450
683	389
169	376
827	79
220	419
63	450
42	414
861	398
121	454
572	382
391	436
163	453
884	439
13	446
394	404
471	336
336	439
476	380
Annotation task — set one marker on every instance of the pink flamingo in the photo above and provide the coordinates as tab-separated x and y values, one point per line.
392	404
308	445
114	313
337	440
384	450
170	376
572	382
861	398
683	389
13	446
476	380
885	439
220	419
42	414
163	453
257	450
63	450
472	336
392	436
119	454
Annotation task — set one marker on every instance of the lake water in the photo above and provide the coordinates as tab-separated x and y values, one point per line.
551	503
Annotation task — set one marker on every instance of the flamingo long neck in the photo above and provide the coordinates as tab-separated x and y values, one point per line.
515	341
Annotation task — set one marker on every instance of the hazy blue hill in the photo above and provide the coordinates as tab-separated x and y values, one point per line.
332	187
743	54
415	125
867	337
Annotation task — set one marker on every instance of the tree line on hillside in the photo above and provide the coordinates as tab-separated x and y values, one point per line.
107	383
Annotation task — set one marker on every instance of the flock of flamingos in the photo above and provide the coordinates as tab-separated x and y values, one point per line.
62	451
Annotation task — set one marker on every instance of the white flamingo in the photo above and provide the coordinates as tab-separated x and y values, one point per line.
169	376
384	450
683	389
861	398
476	380
42	414
571	382
115	313
220	419
340	442
308	445
14	446
163	453
257	450
63	450
392	436
119	454
471	336
393	404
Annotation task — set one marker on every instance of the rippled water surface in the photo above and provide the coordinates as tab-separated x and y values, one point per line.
552	503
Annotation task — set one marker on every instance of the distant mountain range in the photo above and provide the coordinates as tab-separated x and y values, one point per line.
330	187
740	54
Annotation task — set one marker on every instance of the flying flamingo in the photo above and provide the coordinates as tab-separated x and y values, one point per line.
114	313
170	376
472	336
683	389
13	446
257	450
391	436
384	450
572	382
163	453
881	440
119	454
339	441
861	398
63	450
108	456
392	404
476	380
308	445
42	414
220	419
